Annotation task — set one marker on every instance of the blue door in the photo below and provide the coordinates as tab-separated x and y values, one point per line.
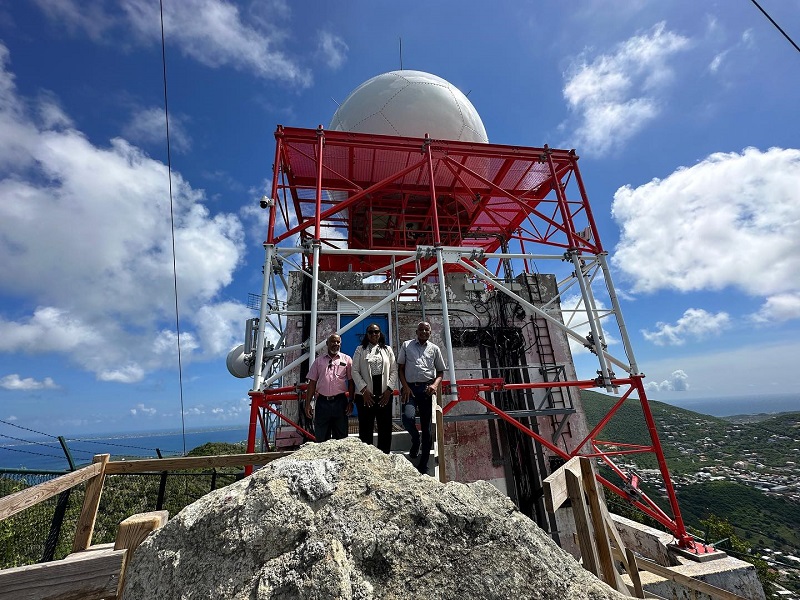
353	338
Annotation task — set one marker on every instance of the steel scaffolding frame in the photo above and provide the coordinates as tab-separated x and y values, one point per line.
411	210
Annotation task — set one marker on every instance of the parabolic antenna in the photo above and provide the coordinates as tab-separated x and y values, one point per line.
410	104
238	363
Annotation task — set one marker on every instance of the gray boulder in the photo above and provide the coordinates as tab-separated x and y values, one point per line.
341	520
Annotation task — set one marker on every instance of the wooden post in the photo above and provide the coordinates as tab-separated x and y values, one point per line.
596	501
132	532
91	502
633	573
440	442
583	523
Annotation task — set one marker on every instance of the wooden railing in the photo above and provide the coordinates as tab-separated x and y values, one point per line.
96	572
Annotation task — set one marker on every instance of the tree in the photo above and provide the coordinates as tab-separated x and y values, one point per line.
720	533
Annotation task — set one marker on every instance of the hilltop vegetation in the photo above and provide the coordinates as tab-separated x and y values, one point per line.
693	440
716	448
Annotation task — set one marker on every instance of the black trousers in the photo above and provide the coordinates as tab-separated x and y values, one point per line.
424	405
368	415
330	418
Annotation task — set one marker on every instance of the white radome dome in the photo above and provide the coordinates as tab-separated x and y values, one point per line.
410	104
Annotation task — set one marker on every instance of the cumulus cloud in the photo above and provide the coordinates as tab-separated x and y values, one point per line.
142	410
779	308
86	238
728	221
613	96
16	383
233	411
213	32
677	382
695	323
148	126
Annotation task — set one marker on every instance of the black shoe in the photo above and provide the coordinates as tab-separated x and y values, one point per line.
422	469
414	452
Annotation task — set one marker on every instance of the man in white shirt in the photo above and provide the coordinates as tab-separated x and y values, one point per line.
420	365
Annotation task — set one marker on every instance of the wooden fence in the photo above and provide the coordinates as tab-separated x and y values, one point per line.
96	572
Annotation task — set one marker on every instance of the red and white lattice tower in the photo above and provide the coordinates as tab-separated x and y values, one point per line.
405	201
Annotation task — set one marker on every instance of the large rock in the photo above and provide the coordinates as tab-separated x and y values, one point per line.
341	520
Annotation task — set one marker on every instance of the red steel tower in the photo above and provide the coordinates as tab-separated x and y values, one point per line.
412	212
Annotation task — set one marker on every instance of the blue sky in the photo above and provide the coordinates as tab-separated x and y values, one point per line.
684	115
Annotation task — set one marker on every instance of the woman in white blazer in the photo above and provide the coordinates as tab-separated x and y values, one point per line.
375	378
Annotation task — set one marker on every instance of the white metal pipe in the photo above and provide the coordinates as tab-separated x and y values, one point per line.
312	330
326	286
262	319
623	330
350	325
574	335
386	300
391	266
598	339
448	338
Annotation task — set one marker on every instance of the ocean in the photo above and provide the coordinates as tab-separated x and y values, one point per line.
46	453
739	405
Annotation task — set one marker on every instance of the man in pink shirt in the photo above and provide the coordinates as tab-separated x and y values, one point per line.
330	377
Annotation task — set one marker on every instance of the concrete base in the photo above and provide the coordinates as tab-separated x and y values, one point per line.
727	573
723	572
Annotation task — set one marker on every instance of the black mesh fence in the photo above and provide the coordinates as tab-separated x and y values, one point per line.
46	530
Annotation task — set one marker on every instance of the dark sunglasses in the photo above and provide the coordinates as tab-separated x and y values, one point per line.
373	331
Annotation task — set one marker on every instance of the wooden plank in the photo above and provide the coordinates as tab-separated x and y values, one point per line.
18	501
555	486
633	573
440	443
156	465
86	576
91	502
582	523
608	570
690	582
133	531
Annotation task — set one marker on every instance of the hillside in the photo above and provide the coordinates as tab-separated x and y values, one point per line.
693	440
719	467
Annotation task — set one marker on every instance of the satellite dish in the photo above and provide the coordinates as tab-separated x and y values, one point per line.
239	364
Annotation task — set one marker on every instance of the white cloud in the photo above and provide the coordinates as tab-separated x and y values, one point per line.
89	18
143	410
716	62
86	240
678	381
221	326
49	329
695	323
214	33
15	382
332	49
148	126
130	373
728	221
51	115
779	308
615	95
